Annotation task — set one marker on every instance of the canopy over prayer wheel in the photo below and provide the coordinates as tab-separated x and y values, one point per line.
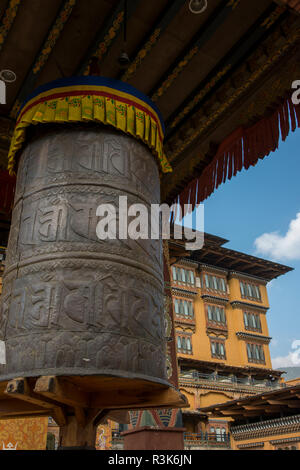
74	305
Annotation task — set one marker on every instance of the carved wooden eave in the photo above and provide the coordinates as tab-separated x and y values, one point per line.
282	404
209	74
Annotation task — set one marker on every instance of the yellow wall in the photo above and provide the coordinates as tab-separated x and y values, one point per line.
236	352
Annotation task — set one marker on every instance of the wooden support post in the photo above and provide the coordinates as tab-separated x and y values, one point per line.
75	435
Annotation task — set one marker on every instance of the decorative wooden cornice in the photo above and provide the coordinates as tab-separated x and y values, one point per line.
271	427
243	390
185	324
288	440
247	306
184	292
251	445
252	337
217	330
208	268
188	262
213	299
247	277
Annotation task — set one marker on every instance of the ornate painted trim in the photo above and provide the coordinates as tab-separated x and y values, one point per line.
8	19
54	34
253	337
104	45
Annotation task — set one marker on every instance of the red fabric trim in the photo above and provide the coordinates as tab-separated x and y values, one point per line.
242	149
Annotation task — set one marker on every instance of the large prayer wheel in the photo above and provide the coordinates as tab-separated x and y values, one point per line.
72	304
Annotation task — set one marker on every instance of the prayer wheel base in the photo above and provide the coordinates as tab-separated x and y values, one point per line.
85	397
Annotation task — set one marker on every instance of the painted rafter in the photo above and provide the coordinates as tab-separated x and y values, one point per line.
214	22
231	60
44	53
146	46
198	131
107	34
8	19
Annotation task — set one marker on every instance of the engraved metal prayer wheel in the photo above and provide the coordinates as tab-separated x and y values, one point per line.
74	305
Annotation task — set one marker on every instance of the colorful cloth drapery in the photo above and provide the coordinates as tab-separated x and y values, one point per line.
92	99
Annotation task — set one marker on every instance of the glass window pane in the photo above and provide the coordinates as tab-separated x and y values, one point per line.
174	273
192	278
183	278
178	342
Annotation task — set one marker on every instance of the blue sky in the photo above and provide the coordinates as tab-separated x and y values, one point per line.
263	200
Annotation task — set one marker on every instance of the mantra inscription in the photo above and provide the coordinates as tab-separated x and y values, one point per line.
73	304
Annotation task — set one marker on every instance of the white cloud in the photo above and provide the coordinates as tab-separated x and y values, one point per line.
291	360
279	246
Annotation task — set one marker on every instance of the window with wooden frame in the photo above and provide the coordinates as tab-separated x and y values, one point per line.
183	276
215	283
215	314
184	344
250	291
218	348
184	308
255	353
252	322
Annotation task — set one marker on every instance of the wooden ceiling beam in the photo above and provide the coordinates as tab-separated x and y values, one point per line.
41	59
104	41
8	19
215	21
149	42
231	60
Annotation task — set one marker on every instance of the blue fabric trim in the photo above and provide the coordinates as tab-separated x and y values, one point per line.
95	81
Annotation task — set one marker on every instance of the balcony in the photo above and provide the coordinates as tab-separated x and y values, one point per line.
220	381
206	441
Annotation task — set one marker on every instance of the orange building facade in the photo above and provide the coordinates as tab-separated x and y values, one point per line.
221	303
